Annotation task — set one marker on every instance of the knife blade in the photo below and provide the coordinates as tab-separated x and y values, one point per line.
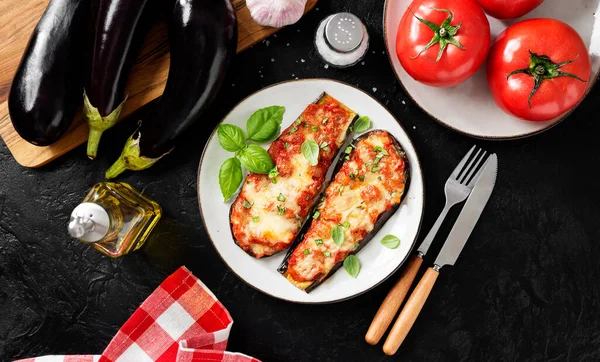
469	215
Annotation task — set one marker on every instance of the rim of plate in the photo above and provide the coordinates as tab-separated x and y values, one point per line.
556	121
418	166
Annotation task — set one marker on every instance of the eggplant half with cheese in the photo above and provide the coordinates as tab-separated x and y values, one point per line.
369	184
271	209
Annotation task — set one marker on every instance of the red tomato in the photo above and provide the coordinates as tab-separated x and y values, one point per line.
508	9
544	49
449	48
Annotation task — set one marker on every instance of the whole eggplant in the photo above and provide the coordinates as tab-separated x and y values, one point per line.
46	89
116	41
203	40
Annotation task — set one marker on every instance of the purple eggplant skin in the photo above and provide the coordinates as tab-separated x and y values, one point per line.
46	90
383	218
203	41
115	43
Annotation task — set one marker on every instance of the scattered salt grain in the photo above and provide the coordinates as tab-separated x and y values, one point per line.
293	75
362	63
272	59
287	45
267	42
403	102
414	127
317	9
374	89
302	60
326	66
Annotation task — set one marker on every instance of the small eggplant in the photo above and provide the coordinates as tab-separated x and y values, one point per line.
203	40
115	44
46	89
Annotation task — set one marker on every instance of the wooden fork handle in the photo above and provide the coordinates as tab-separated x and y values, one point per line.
393	301
409	313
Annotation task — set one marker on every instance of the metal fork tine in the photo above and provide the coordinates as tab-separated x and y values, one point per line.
478	174
461	164
468	167
475	168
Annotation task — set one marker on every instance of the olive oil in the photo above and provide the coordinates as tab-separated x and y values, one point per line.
114	218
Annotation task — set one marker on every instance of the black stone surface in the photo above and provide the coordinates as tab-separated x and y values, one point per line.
526	287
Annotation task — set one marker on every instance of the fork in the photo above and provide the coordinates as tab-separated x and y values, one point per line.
457	188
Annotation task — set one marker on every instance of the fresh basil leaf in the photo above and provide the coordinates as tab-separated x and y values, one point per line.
337	234
390	241
310	150
352	265
256	159
362	124
231	137
264	124
230	177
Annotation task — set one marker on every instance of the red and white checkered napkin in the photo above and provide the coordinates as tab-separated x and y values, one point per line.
182	321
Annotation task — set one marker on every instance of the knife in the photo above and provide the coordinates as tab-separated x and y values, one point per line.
450	251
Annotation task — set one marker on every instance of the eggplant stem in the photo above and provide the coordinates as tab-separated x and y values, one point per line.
116	169
98	124
93	142
130	158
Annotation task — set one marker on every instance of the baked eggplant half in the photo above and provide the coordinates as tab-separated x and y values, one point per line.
369	184
270	209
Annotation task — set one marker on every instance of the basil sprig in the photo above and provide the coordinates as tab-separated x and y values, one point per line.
310	150
352	265
390	241
262	126
362	124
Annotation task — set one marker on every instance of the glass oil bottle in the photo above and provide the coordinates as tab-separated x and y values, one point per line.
114	218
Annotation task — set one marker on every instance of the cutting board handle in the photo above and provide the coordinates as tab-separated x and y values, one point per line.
410	312
393	301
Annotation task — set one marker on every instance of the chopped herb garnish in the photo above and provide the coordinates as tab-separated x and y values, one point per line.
341	190
274	180
351	129
361	177
306	251
314	128
375	169
360	207
348	149
368	163
318	241
394	194
298	121
379	178
280	210
247	204
352	176
305	125
324	145
384	152
285	145
346	224
316	214
377	149
325	120
307	198
255	219
293	129
347	158
356	245
297	216
327	253
281	198
248	182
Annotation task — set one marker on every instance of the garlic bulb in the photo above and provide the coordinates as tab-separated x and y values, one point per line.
276	13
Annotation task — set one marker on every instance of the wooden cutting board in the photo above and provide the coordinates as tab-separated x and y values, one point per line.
18	18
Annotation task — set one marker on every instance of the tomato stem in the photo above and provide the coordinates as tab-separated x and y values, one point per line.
541	67
443	34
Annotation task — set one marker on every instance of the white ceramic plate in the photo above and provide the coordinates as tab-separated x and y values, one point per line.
469	108
378	262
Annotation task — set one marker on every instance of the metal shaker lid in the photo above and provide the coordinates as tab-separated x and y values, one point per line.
344	32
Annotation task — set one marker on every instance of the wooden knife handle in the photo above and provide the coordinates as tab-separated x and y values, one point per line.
409	313
393	301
